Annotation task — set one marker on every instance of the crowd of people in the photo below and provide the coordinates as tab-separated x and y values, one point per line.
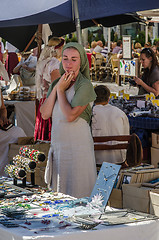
71	111
148	80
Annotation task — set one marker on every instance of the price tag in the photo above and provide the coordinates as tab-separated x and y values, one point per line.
125	95
155	102
121	92
113	95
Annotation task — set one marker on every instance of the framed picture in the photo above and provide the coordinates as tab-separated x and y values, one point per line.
127	47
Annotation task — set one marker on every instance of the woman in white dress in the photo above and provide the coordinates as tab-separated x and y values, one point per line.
71	165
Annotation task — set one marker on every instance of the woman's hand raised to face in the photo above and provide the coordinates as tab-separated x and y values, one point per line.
65	81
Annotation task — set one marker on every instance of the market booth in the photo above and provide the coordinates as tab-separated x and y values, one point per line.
37	213
24	115
20	102
28	211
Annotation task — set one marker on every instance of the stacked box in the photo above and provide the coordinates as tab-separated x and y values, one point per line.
116	198
137	197
154	202
132	176
155	150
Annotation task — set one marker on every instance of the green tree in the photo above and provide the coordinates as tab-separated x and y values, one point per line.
141	38
112	35
115	37
156	40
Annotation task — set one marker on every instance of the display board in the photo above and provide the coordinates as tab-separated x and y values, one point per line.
128	67
127	47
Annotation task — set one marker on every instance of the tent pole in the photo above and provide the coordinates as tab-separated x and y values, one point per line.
33	37
77	22
39	42
109	39
146	33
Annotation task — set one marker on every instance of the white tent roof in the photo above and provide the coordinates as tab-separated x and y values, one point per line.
150	15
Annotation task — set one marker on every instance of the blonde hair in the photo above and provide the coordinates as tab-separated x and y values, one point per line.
138	45
50	51
54	41
93	44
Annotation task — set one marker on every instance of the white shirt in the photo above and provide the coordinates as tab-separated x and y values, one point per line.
98	49
2	47
109	120
31	61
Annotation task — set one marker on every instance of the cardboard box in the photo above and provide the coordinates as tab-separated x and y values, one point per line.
116	198
155	157
137	197
154	203
39	176
155	140
137	176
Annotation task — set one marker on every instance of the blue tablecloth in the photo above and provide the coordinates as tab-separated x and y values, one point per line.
143	126
144	122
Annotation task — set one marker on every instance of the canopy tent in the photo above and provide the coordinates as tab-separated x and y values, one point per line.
31	12
150	15
26	15
20	36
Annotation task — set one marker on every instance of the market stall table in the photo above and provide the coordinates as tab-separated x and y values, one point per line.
144	122
24	115
144	230
143	127
22	218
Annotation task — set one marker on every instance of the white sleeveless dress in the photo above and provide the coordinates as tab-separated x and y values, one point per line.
74	169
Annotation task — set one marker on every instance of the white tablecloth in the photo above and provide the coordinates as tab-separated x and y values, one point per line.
25	115
148	230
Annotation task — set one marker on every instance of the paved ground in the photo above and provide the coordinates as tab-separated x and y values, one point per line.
114	88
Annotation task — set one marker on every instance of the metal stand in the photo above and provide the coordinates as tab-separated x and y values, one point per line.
32	178
23	182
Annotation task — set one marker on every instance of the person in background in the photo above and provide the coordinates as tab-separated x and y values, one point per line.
112	46
108	120
157	54
150	78
138	47
71	165
6	137
154	48
47	70
118	48
99	47
26	69
93	45
147	45
104	51
1	50
12	58
87	47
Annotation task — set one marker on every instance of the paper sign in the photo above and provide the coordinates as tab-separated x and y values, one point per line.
152	96
155	102
147	97
121	92
126	96
140	104
113	95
